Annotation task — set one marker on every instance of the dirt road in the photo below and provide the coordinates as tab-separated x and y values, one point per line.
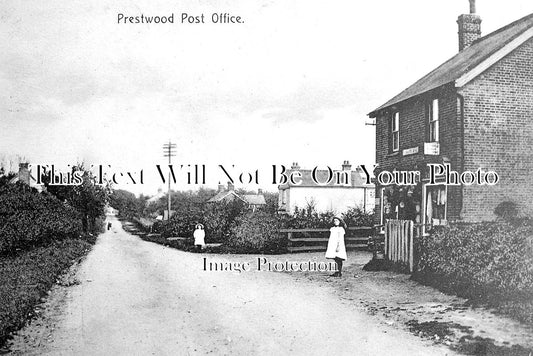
140	298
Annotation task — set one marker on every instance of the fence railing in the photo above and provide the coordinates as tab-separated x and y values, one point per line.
317	239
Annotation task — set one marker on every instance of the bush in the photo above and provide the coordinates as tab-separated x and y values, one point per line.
507	210
358	217
26	277
486	262
257	233
309	218
218	219
29	219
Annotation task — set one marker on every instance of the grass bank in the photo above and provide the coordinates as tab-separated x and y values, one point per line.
26	277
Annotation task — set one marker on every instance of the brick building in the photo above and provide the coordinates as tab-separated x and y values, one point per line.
475	111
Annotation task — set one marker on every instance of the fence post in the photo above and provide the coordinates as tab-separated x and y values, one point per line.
411	247
387	249
406	242
393	235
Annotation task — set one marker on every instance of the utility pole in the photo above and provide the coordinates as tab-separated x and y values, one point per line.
169	150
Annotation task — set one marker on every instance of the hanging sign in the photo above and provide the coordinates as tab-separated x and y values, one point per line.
431	148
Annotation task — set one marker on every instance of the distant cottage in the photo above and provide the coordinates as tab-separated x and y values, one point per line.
354	193
153	200
24	176
473	111
253	201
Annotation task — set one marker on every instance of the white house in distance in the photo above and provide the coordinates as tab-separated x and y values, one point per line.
334	196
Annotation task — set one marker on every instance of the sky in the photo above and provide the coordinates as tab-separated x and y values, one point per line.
293	83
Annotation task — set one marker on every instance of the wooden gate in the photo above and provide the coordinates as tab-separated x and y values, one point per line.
317	239
399	236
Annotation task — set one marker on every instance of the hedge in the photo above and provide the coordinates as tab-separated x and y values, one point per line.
257	233
309	218
218	219
485	262
242	230
29	219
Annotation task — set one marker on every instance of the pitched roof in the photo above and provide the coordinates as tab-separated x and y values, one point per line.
223	195
255	199
464	61
33	182
356	180
155	198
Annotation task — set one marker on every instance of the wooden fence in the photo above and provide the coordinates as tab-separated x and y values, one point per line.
399	239
317	239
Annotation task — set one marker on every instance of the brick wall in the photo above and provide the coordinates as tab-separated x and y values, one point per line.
499	134
413	133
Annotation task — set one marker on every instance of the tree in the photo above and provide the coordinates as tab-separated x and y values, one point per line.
88	198
127	204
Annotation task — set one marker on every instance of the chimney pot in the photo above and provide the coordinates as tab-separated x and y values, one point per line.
472	6
346	166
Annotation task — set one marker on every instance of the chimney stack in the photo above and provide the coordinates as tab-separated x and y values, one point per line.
24	173
469	27
295	166
346	166
231	186
220	188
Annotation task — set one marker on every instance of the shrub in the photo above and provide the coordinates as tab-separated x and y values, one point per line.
309	218
29	219
487	262
507	210
358	217
257	233
218	219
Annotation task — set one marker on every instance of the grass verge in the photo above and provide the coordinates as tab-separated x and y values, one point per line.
26	277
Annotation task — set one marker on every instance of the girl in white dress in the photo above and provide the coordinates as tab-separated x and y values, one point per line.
199	236
336	248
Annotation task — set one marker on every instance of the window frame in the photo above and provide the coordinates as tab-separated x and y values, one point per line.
395	132
433	120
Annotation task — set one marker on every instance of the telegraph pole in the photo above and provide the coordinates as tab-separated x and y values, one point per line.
169	150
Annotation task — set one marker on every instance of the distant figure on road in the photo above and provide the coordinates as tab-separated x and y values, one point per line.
336	248
199	237
109	226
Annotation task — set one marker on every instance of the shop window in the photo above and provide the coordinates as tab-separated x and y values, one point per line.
401	203
435	205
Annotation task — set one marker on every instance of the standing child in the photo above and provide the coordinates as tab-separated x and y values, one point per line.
199	237
336	248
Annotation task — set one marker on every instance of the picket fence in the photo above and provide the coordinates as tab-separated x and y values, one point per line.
399	238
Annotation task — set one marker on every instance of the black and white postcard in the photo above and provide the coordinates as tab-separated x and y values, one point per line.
266	177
